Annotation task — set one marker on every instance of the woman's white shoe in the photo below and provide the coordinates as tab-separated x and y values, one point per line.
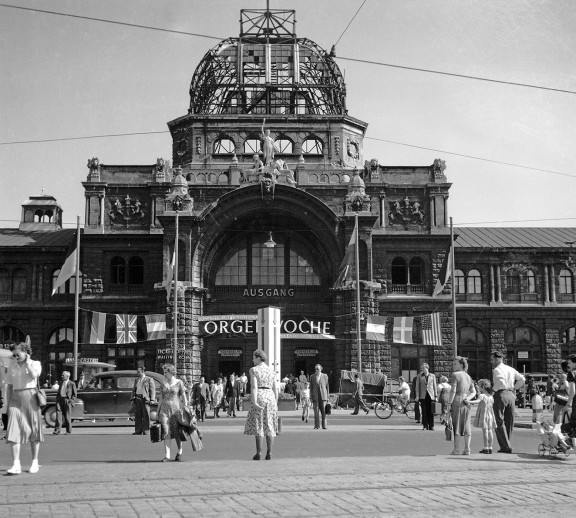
14	470
34	468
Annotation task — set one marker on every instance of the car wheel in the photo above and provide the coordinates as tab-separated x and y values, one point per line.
50	416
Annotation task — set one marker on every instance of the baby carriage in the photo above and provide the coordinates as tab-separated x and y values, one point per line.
552	440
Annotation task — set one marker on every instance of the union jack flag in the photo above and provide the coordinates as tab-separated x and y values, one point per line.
125	329
431	330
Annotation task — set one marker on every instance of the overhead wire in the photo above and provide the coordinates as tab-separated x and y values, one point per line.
349	23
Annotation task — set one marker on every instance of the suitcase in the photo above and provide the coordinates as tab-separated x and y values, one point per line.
155	432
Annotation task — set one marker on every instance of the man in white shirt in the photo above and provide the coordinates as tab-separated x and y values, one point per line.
65	398
506	381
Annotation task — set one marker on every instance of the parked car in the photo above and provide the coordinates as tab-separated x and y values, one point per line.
107	396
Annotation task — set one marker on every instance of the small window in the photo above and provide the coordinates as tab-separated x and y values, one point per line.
224	146
416	269
135	270
399	271
529	282
68	287
284	146
513	282
117	270
566	282
252	146
459	282
19	282
474	282
312	146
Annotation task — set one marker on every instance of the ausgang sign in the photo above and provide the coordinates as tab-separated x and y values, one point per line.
313	328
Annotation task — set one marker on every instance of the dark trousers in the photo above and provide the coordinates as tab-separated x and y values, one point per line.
319	410
504	402
63	414
427	412
232	405
201	405
141	415
417	415
359	402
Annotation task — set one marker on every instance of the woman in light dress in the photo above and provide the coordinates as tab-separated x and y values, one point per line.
462	389
262	419
217	394
173	398
24	415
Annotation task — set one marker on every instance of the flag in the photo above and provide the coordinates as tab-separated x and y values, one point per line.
431	331
156	326
376	328
125	329
445	273
403	330
347	270
94	328
168	282
67	270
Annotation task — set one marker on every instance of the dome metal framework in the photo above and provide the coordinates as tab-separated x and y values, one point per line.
268	70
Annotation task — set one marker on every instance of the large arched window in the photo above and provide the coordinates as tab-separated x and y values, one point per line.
60	348
529	282
416	270
224	146
284	146
474	284
19	277
68	287
250	262
566	282
513	282
399	271
127	355
117	270
135	270
459	282
524	349
472	344
312	146
252	146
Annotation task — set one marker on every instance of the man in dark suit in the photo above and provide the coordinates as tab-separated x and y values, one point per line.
319	395
231	394
201	396
240	391
426	393
64	402
143	393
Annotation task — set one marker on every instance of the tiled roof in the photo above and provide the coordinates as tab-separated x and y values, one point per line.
513	237
12	237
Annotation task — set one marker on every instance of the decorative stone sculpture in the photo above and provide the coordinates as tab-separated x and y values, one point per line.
438	167
94	168
404	212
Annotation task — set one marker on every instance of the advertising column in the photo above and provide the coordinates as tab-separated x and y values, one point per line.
269	336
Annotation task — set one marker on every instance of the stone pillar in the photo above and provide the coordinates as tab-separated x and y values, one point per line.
102	204
432	211
546	285
443	355
552	285
445	207
382	199
492	287
499	279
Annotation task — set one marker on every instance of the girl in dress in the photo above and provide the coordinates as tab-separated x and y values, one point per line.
262	419
485	418
217	394
173	397
305	400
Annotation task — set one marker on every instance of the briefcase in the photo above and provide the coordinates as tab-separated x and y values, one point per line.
437	407
155	432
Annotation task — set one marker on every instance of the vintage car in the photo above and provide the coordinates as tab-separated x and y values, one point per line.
107	396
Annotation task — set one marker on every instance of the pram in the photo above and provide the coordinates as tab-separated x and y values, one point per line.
550	441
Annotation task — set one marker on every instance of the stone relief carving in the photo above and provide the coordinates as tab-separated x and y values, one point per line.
199	145
126	210
352	148
405	212
337	145
438	167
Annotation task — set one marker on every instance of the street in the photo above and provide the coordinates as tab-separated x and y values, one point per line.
361	465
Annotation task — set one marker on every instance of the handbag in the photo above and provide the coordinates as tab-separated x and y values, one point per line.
448	429
40	394
561	398
328	409
196	441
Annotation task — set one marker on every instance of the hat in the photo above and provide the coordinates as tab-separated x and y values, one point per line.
497	354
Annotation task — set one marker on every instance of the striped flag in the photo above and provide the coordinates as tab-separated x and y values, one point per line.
444	274
376	328
431	331
347	267
403	330
95	328
156	326
125	329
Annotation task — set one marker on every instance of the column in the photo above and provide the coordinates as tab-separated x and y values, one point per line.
152	210
546	285
102	205
432	211
445	206
499	279
492	284
552	285
382	209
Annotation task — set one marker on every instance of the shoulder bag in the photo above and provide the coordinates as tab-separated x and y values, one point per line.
561	397
40	394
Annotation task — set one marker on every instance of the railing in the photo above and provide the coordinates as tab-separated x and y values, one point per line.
126	288
408	289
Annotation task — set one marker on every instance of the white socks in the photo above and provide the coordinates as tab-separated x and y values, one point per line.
16	469
34	468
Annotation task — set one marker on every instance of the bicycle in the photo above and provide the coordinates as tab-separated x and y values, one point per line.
391	404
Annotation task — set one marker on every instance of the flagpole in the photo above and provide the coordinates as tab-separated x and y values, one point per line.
357	259
454	331
76	300
175	311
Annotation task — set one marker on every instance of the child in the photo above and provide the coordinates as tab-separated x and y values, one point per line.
305	400
551	436
485	418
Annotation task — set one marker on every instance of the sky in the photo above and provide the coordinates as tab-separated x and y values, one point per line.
65	77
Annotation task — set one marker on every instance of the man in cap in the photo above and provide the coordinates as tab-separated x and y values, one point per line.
505	381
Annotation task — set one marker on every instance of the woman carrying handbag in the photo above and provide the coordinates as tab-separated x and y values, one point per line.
173	400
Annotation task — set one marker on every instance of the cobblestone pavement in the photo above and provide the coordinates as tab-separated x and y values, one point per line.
507	485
